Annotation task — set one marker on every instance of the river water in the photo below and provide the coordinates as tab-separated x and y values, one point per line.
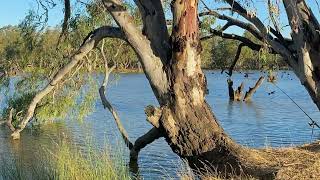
269	120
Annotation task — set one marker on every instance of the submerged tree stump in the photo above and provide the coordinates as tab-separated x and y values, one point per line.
236	95
251	91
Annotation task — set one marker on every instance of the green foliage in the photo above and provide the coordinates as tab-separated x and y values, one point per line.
20	105
86	106
206	24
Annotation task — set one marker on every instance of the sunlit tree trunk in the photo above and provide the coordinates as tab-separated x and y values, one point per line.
306	42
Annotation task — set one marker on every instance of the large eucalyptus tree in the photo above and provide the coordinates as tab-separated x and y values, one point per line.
171	63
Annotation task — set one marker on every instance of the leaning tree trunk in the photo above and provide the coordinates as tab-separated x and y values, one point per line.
306	40
189	126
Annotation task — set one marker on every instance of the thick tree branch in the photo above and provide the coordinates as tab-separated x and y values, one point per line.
154	26
234	22
143	141
278	45
152	65
90	42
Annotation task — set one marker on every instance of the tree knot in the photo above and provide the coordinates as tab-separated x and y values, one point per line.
153	115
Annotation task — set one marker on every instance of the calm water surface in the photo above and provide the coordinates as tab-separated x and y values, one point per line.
269	120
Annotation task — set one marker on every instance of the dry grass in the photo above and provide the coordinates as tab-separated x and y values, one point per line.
302	162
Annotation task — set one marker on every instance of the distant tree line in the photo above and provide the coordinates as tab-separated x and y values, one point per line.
29	48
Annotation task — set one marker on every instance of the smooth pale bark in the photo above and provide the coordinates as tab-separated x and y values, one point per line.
90	42
154	27
151	63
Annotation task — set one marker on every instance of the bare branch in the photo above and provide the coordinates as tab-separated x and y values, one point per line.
236	58
251	91
9	121
242	39
107	104
142	141
278	45
234	22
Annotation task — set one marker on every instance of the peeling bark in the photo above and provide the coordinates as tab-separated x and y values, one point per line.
305	35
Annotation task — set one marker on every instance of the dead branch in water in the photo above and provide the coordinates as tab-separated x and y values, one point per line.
142	141
235	94
251	91
238	93
230	89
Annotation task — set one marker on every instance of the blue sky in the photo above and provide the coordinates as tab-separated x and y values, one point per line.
13	11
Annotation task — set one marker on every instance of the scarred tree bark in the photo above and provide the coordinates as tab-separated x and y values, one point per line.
189	126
